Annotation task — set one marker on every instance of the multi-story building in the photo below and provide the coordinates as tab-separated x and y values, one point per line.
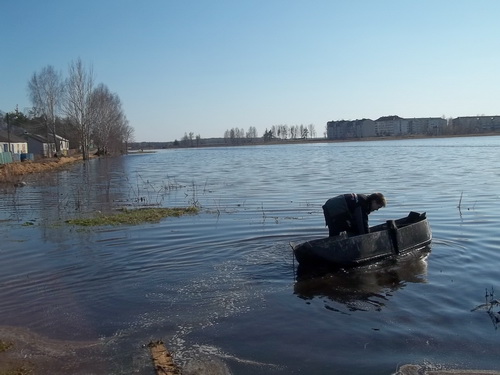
475	124
385	126
391	125
427	125
350	129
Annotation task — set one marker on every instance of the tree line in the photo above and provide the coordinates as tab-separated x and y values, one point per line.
291	132
236	135
88	115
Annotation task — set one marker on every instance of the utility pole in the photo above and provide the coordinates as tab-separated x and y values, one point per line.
8	130
7	119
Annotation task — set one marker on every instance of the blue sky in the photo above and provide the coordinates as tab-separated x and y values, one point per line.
207	66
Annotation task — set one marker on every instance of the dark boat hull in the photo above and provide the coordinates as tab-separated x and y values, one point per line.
393	238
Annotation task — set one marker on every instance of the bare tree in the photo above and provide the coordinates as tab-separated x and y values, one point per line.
303	131
284	131
78	89
120	136
275	131
252	132
128	135
312	131
45	91
106	119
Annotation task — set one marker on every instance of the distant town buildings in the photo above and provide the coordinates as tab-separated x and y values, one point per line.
476	124
388	126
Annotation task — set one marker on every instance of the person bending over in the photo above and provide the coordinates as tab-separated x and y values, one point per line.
349	212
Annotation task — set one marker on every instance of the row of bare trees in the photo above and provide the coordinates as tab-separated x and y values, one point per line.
236	133
189	140
290	132
94	113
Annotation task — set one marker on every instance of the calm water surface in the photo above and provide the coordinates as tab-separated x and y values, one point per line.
222	285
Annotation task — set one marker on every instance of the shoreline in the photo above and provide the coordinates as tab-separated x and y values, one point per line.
148	146
13	173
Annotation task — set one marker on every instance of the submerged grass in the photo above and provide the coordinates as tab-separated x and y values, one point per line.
22	370
5	346
136	216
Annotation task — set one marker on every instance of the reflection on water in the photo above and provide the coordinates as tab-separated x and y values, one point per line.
363	288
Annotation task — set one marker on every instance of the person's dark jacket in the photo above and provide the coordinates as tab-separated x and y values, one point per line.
359	208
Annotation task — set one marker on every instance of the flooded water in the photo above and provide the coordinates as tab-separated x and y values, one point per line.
222	285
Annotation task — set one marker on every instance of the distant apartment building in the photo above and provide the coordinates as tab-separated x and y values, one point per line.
395	125
427	125
475	124
384	127
391	125
350	129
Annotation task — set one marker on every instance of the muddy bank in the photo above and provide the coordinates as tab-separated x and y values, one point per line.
24	352
435	370
29	353
14	172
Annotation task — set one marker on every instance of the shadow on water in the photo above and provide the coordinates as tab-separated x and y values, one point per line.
363	288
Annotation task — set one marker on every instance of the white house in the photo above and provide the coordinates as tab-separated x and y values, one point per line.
17	144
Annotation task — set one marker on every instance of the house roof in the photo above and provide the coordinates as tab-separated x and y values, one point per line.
36	137
41	138
4	137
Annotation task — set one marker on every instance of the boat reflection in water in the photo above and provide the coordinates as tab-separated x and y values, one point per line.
362	288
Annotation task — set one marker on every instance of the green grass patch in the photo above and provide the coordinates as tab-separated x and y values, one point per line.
136	216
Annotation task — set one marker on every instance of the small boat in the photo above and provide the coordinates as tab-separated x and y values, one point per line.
390	239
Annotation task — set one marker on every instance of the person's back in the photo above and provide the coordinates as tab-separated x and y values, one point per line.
349	212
